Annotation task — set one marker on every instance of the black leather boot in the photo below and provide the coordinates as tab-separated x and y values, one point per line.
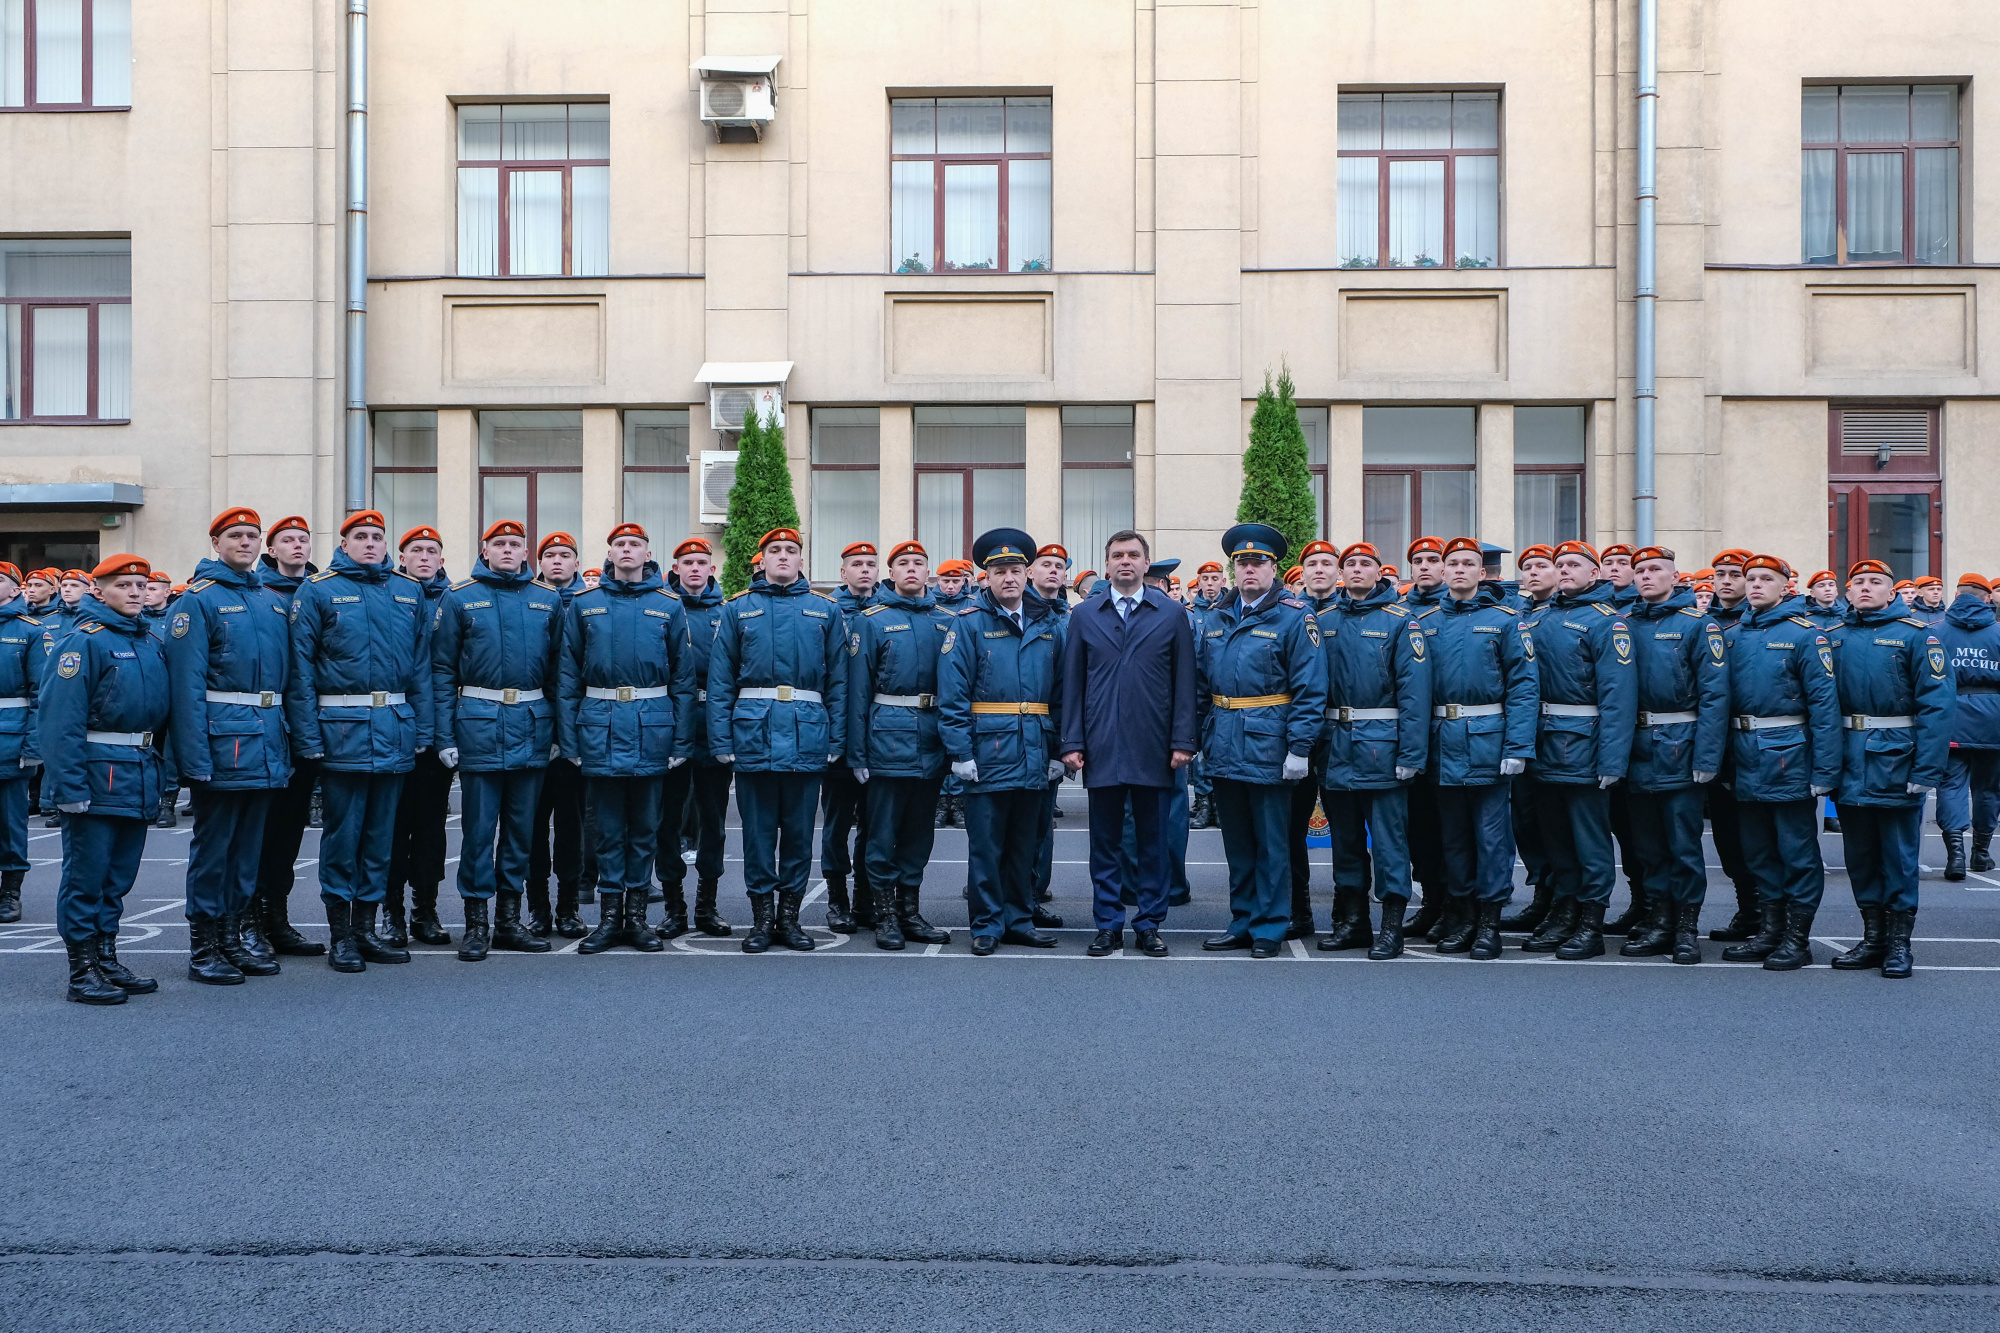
229	938
1485	931
10	895
206	961
424	923
1637	913
1044	919
477	941
912	922
87	982
1349	928
345	954
1531	916
1450	919
673	914
610	924
362	924
508	932
1982	855
888	929
705	919
763	915
1301	927
1429	910
278	928
1896	960
1556	927
117	973
568	924
316	812
785	929
1747	921
943	817
1687	933
637	933
839	917
1456	930
1389	939
1588	939
395	921
541	922
1868	950
1954	855
866	904
1770	931
249	926
169	814
1654	935
1794	949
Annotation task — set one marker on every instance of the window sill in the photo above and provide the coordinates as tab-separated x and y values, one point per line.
57	109
65	421
1844	268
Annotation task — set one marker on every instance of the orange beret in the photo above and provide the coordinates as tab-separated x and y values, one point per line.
1617	548
1584	549
692	544
1082	582
1930	581
421	533
81	576
780	535
10	570
45	575
1388	571
367	518
1823	576
288	521
852	548
1767	562
1052	548
1457	544
1539	551
234	518
1735	555
114	566
179	588
954	569
907	548
1869	567
1295	572
626	530
1311	549
1424	544
1645	553
1900	584
1210	567
1361	548
506	527
1703	585
562	539
159	576
1974	581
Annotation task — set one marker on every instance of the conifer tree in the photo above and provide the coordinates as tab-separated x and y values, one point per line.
760	500
1277	474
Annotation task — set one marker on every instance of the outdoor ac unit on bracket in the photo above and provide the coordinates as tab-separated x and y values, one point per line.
718	477
730	405
738	93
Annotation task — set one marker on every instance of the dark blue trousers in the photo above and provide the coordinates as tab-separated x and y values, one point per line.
777	810
701	791
1177	834
845	818
1045	855
416	852
1575	820
1882	843
1001	837
1527	833
561	844
1357	819
1427	841
1148	807
1725	824
1966	800
497	816
223	851
360	826
1780	848
100	860
1256	839
14	823
901	831
1477	833
285	829
625	820
1665	838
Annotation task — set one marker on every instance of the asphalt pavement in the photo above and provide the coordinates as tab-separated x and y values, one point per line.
851	1139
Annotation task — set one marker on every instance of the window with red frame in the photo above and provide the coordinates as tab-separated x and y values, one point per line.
970	184
67	329
534	189
1879	174
65	55
1419	183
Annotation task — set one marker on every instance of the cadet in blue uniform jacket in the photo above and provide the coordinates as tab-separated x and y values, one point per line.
1589	710
1048	578
281	570
954	594
416	851
999	718
229	655
159	592
698	792
21	660
558	842
777	678
1824	605
1261	694
628	687
1683	725
103	702
1725	609
843	842
496	643
1896	703
1378	730
1484	695
1784	753
894	646
1971	642
360	700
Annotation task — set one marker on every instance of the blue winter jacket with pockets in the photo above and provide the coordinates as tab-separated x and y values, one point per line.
22	656
984	660
787	638
1890	664
1270	652
496	632
108	674
1583	650
632	635
1971	638
1376	658
704	613
360	630
229	634
1683	668
1479	655
1780	665
894	649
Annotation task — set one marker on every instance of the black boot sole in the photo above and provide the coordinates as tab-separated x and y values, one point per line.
221	980
77	997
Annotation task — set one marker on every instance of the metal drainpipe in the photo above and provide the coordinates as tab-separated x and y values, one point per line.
357	255
1646	290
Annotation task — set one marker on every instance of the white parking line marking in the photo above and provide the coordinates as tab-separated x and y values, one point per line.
1299	951
171	904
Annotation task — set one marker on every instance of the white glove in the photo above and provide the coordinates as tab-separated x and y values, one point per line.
1915	790
861	776
725	759
555	751
74	807
1405	774
1703	779
1604	783
967	771
1513	768
1295	767
320	755
1822	791
833	759
675	763
30	764
1057	769
448	756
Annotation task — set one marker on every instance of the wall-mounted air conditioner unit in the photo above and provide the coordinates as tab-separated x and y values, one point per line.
718	477
737	93
730	405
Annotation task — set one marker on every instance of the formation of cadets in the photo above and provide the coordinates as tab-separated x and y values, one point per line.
1599	710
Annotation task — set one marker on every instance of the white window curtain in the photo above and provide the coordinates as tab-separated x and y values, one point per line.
590	220
941	515
114	362
13	53
846	508
1360	210
1096	503
914	216
972	216
558	502
13	408
58	51
406	498
62	361
1385	510
658	502
111	53
1476	211
478	221
1447	503
1874	206
1936	241
1028	216
999	499
1416	214
1547	508
1816	221
534	222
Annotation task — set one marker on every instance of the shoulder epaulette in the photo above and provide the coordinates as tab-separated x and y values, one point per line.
1801	620
1294	602
1688	611
871	610
1508	610
1912	620
966	611
540	584
92	627
823	597
1429	610
320	577
199	584
32	621
1606	608
734	595
668	593
463	583
399	574
1396	610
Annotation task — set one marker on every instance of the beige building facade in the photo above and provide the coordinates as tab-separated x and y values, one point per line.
1005	261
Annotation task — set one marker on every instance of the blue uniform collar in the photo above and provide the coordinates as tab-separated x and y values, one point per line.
1674	601
18	607
1479	601
493	578
215	571
90	611
923	601
709	594
1969	611
1599	591
1894	611
268	571
1381	595
347	566
798	587
649	580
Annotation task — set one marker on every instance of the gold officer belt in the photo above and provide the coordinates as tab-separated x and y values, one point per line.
1040	710
1250	701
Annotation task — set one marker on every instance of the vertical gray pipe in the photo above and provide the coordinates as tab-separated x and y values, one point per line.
357	255
1646	290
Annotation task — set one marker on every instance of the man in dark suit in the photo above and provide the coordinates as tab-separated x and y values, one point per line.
1128	723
